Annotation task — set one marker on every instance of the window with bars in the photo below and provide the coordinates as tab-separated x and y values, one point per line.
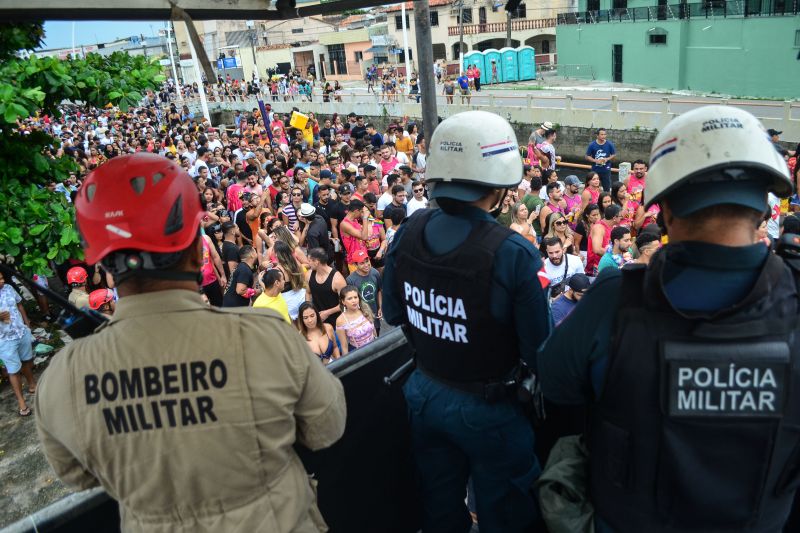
434	18
337	59
398	22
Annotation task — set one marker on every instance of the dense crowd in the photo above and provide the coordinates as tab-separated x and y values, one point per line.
298	218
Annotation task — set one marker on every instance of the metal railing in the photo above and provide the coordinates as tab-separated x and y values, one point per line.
500	27
685	11
787	111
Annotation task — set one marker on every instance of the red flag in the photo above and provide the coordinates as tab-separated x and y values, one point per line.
543	279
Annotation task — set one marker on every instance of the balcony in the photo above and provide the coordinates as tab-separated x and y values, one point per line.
708	9
501	27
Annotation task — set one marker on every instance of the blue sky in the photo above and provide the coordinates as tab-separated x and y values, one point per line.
58	34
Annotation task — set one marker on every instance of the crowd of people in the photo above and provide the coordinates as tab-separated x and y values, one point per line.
299	222
299	214
297	217
386	82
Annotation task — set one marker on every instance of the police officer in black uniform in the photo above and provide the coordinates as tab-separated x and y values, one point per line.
691	365
467	292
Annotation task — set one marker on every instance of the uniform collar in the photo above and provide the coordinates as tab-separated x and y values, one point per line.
158	302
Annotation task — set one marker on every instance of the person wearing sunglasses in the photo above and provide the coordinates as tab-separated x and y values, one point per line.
418	199
558	226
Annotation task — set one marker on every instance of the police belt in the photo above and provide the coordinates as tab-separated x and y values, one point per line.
491	391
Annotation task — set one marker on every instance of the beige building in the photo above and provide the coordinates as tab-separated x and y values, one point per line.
485	26
259	45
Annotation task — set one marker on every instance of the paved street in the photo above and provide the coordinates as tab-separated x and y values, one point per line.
597	95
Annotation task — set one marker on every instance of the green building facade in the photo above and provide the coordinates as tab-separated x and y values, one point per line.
738	48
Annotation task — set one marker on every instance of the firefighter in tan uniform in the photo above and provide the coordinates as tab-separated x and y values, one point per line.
189	429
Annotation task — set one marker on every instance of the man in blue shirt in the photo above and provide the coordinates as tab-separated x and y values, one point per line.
464	289
713	301
601	152
463	84
562	306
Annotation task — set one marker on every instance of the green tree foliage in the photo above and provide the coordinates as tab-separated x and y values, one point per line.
36	225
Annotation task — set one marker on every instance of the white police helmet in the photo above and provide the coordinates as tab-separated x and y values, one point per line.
725	152
471	153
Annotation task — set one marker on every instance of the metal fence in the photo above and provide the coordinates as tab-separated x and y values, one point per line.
685	11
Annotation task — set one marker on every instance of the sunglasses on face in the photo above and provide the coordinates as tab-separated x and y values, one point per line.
559	223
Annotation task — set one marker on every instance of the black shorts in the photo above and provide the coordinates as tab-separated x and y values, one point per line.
376	263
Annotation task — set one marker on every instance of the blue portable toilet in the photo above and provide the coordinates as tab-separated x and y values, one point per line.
526	59
476	58
510	64
490	56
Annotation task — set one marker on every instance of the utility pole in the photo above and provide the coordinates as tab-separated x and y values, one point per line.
253	39
172	62
460	37
422	27
508	29
405	42
196	65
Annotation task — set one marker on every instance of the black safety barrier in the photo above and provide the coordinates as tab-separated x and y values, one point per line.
366	481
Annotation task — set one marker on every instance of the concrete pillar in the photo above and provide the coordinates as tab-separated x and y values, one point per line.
787	110
529	101
665	105
491	100
614	103
568	103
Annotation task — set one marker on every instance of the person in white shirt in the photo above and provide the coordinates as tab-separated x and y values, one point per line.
386	198
774	220
419	159
418	200
213	141
559	266
202	161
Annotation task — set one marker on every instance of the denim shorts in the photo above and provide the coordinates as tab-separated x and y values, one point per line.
14	352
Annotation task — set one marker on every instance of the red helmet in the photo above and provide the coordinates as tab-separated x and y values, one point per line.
77	276
140	202
100	297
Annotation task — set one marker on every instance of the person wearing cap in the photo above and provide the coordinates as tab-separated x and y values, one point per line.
573	200
775	137
315	231
576	286
156	410
537	135
600	153
465	290
692	400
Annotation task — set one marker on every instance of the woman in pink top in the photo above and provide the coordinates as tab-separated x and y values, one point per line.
591	193
355	326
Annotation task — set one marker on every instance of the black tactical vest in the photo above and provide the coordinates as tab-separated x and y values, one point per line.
446	299
698	424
